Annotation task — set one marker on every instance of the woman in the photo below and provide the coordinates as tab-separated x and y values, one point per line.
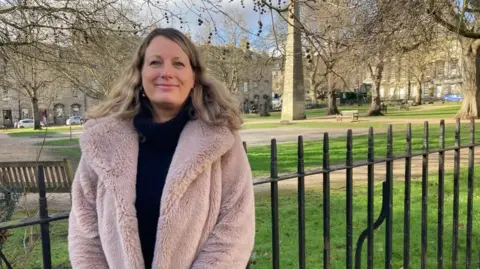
163	181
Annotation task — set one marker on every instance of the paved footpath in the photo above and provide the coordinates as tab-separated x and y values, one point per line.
22	149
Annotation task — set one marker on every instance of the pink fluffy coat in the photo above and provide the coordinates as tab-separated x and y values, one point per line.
207	217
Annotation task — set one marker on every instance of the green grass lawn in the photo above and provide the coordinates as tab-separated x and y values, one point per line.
447	110
59	142
27	132
314	228
331	124
311	113
14	250
259	156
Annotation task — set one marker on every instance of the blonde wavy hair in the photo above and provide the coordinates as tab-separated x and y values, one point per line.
211	101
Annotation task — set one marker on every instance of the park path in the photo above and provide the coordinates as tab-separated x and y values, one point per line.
22	149
360	174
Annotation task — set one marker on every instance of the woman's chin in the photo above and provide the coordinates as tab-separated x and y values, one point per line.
165	103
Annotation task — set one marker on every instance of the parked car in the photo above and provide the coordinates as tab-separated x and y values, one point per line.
452	98
74	120
28	123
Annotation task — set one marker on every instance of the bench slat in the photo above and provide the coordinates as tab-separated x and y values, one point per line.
23	171
58	175
32	177
18	174
48	176
14	179
63	177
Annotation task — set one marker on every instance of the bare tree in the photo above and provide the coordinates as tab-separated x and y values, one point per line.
91	66
387	29
461	19
236	57
30	78
330	36
419	65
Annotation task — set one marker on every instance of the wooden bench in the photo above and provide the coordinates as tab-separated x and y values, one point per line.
405	106
383	108
353	114
23	176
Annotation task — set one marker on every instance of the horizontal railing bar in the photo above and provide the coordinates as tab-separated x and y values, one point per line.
13	224
340	167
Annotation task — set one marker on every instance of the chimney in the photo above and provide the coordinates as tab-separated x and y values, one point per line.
243	43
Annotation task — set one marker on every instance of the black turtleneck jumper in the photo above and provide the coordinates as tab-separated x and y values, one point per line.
157	143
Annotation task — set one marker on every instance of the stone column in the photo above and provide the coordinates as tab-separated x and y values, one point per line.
293	103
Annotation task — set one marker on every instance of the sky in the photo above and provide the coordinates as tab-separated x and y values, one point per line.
191	10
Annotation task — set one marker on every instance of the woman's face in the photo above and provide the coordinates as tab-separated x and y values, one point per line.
167	77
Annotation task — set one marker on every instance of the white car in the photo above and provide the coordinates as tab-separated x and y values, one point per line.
74	120
27	123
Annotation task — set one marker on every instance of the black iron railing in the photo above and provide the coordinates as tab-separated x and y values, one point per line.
353	256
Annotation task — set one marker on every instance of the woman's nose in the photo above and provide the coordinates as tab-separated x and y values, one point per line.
167	71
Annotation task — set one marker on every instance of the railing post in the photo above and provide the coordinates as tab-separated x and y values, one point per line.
441	193
326	202
301	205
389	183
274	205
371	195
471	165
424	232
407	199
456	190
44	227
349	200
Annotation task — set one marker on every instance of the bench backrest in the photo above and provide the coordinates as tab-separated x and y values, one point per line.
349	112
23	175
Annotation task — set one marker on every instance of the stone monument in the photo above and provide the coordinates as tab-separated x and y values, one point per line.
293	103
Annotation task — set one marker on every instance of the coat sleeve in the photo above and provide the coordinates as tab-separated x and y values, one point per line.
85	249
230	244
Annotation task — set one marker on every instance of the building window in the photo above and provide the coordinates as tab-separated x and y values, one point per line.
403	71
25	114
447	89
453	67
75	110
428	71
75	93
440	68
59	113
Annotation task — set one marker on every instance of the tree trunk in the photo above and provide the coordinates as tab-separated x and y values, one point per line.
332	97
332	103
377	75
418	98
409	91
313	96
471	80
36	116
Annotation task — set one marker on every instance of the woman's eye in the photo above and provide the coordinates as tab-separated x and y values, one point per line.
179	64
154	62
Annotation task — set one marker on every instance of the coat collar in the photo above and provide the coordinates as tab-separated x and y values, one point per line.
111	147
